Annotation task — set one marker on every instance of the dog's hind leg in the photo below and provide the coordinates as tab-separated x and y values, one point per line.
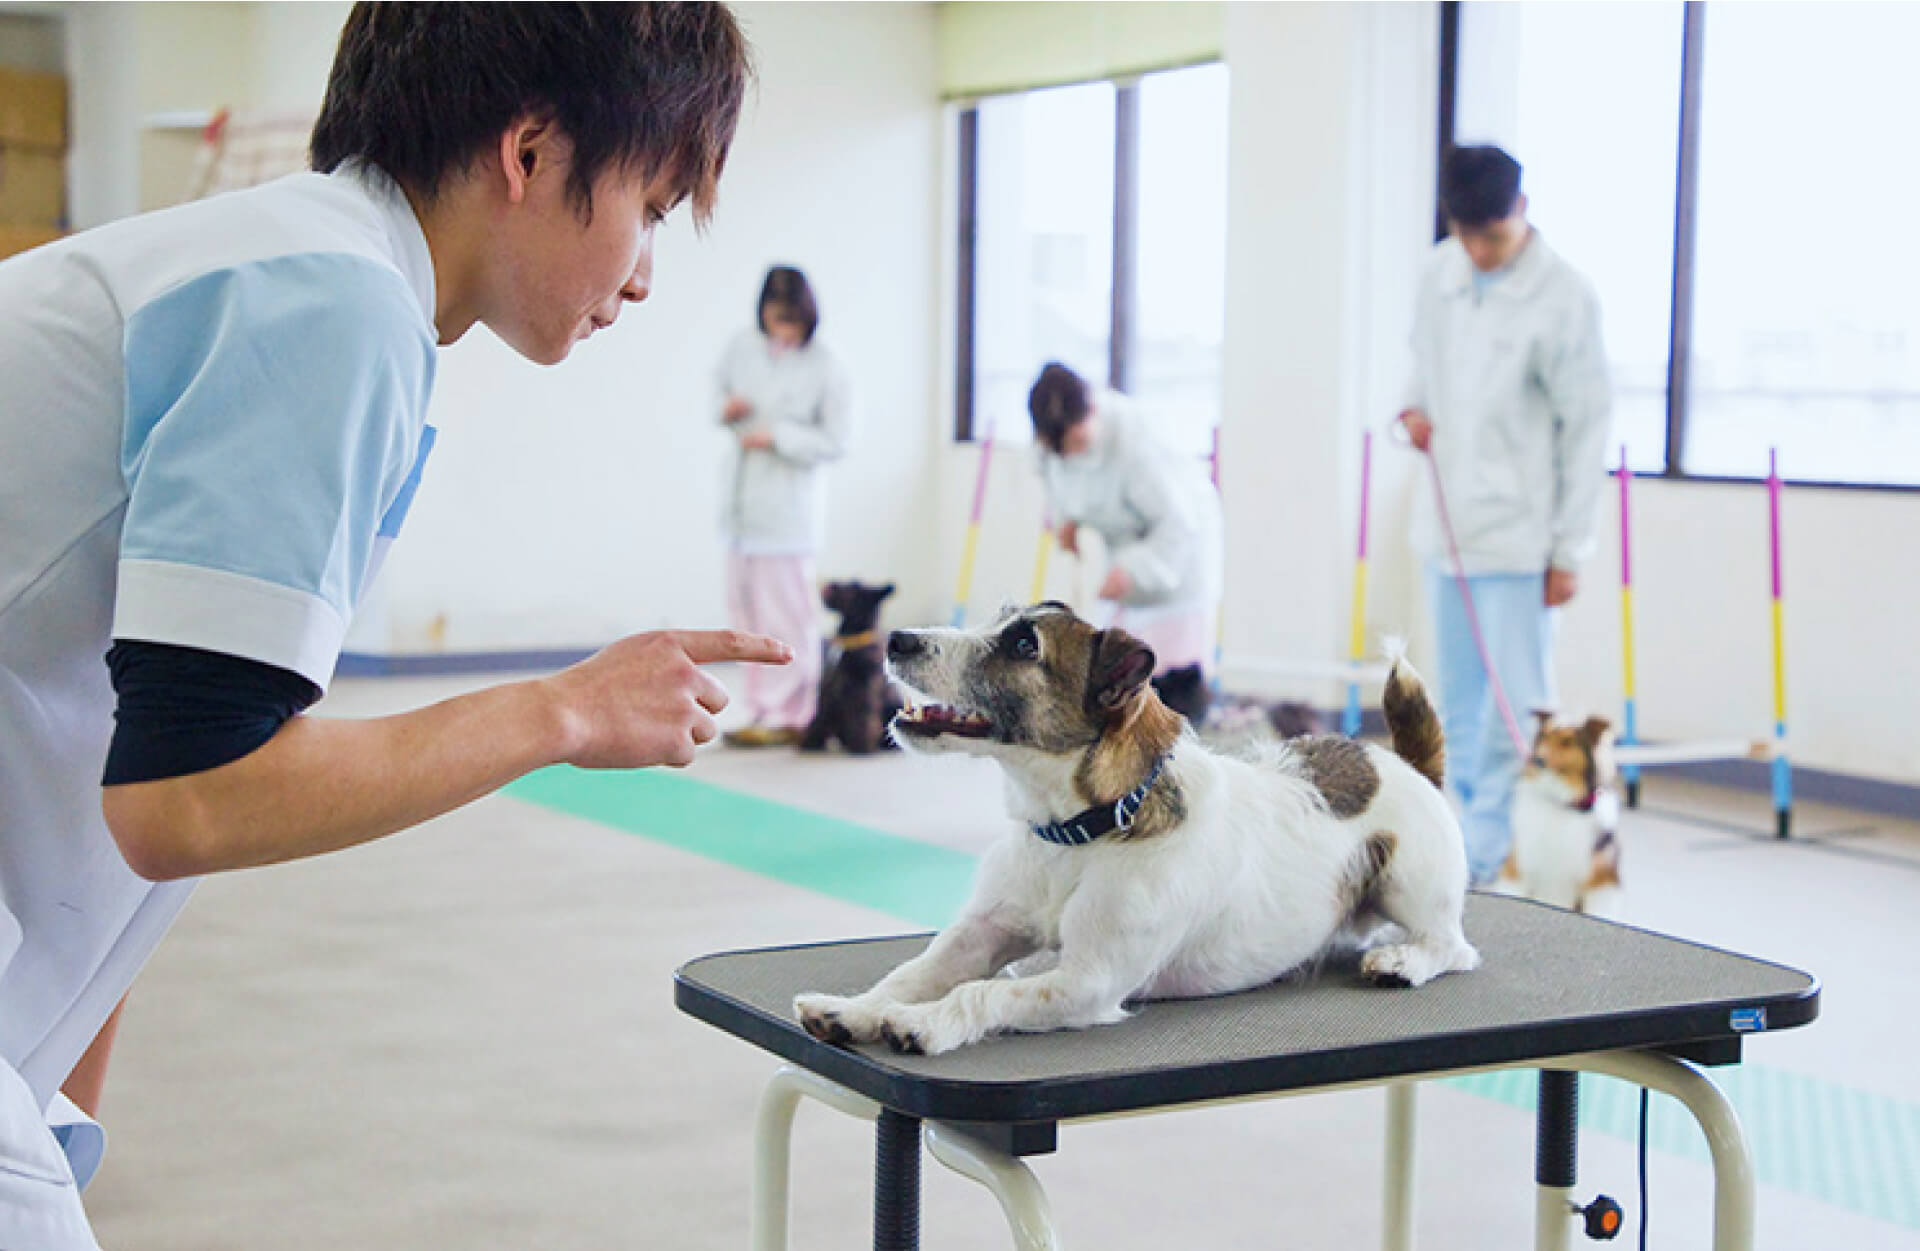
974	947
1429	911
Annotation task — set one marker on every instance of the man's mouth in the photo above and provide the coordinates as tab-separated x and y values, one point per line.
932	720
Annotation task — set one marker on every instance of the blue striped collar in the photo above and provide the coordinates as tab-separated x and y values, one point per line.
1103	819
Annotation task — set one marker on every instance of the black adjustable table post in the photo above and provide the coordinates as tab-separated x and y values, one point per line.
896	1182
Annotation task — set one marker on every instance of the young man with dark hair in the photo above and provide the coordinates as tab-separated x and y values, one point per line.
213	423
1511	397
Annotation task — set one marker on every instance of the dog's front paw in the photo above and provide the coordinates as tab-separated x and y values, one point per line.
921	1030
835	1020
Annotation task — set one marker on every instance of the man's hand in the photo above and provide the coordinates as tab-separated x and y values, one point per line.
1561	586
1117	584
1070	538
757	441
1419	428
735	409
645	700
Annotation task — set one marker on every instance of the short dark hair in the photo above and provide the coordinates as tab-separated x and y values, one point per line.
788	289
1478	185
418	89
1057	403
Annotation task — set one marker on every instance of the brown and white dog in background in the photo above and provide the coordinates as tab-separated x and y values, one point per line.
1566	820
1143	865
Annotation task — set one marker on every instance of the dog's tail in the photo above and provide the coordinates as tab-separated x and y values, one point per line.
1417	738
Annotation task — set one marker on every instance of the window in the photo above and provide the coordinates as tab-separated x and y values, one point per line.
1043	252
1669	160
1806	328
1093	232
1180	254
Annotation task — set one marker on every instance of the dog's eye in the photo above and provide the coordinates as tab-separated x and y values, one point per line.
1021	642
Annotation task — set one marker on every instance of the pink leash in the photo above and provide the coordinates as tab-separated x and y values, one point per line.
1473	618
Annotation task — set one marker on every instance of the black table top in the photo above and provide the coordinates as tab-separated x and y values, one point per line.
1552	983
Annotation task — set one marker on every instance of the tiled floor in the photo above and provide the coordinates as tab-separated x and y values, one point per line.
464	1037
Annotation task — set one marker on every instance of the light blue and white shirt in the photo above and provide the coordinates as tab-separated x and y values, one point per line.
211	419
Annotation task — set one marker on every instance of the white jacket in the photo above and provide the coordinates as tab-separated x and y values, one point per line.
1514	377
771	499
1154	508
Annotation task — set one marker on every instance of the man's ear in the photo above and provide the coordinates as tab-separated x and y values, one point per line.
527	149
1122	664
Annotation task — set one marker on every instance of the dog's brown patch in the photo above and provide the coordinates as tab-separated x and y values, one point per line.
1417	738
1143	733
1341	771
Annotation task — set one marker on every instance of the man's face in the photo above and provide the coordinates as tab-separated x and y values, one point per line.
1494	245
561	275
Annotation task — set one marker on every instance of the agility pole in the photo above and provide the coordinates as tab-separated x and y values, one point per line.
1040	557
1782	771
964	591
1629	727
1220	607
1357	648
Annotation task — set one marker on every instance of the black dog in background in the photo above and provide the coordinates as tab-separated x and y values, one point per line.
856	700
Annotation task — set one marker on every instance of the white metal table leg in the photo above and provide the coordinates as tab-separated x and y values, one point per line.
773	1146
1732	1163
1021	1197
1552	1218
1397	1191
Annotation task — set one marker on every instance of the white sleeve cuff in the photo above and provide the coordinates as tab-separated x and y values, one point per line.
231	613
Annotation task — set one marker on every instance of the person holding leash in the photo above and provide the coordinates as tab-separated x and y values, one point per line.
1510	397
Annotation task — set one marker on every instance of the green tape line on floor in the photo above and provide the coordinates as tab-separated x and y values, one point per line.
1800	1128
918	882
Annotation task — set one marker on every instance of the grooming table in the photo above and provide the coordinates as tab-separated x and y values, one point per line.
1557	992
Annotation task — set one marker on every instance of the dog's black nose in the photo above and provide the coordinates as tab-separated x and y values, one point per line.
904	643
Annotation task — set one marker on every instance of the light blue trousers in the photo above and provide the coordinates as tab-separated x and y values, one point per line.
1482	765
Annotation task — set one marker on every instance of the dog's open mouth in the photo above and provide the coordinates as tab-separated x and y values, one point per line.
930	720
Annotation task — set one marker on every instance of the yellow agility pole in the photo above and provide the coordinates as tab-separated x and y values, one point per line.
1357	647
964	591
1040	559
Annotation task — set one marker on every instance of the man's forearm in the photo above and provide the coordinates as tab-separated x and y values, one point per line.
322	784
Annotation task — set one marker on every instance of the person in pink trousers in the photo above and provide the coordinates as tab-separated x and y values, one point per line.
785	400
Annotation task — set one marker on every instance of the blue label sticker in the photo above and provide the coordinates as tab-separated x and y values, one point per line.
1747	1020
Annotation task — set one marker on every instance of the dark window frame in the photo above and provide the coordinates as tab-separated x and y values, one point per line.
1686	216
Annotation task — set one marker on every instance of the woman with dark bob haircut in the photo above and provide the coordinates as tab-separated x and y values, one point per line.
1106	469
784	399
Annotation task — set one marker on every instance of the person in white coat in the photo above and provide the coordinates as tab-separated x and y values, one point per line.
785	400
1158	515
1510	395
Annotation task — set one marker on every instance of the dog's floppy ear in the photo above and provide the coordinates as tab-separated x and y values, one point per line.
1121	666
1594	730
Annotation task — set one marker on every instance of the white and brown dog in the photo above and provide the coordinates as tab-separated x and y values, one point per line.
1144	865
1566	821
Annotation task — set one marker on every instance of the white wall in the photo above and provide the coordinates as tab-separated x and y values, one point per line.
565	506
